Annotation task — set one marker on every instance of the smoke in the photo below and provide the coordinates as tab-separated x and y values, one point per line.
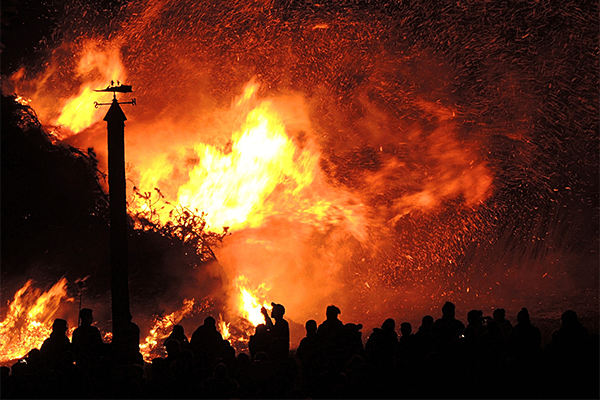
465	147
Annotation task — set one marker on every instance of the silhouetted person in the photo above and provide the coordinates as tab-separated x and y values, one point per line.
524	340
242	374
87	340
220	385
279	331
135	356
206	342
330	335
571	334
8	385
29	378
447	330
35	361
308	353
424	337
382	345
474	327
260	341
307	348
178	334
572	362
353	340
227	354
406	343
173	349
58	343
406	331
332	326
332	385
264	374
505	326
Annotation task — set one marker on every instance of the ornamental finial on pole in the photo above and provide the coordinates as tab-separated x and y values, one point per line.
118	88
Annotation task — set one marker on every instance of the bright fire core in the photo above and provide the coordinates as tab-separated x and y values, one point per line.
233	186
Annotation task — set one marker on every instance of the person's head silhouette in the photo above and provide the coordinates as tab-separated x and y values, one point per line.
332	312
448	310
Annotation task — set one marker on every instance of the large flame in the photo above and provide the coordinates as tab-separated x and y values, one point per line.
70	113
261	173
96	68
249	168
29	319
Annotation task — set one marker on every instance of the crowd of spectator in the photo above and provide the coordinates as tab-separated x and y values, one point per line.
488	358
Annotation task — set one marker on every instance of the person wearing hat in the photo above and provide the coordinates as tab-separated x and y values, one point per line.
87	340
279	331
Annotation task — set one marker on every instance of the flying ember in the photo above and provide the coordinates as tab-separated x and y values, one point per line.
380	156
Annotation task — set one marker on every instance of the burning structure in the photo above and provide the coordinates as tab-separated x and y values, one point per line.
379	156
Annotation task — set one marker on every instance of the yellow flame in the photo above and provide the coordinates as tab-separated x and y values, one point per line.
78	112
29	319
161	329
263	173
22	100
249	304
232	188
223	328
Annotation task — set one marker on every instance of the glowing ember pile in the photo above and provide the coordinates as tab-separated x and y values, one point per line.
29	319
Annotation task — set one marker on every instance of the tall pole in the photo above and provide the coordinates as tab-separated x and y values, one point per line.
115	119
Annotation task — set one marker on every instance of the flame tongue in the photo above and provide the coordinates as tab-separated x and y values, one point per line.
249	304
258	176
29	319
161	328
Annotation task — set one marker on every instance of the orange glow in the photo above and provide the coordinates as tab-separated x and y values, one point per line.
223	328
152	346
29	319
264	173
22	100
77	112
71	110
249	303
261	167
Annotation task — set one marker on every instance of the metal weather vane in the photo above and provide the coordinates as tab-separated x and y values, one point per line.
119	88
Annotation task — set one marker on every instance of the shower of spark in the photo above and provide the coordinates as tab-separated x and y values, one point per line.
364	153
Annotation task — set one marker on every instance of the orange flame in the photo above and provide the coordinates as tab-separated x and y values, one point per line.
29	319
223	328
265	173
77	113
161	328
238	187
249	305
98	65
